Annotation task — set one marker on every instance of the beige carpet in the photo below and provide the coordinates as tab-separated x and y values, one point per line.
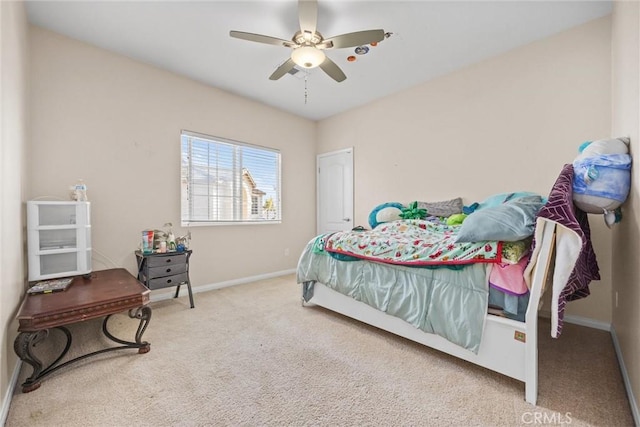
252	355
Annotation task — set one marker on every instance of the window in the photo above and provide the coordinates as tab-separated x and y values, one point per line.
254	205
225	181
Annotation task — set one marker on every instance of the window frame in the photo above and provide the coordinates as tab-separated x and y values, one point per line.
186	209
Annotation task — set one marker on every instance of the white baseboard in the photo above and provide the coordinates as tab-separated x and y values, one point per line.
625	376
582	321
219	285
6	402
590	323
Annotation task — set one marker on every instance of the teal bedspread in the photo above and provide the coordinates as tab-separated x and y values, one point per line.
448	302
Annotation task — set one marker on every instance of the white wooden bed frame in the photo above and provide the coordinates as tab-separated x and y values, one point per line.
508	346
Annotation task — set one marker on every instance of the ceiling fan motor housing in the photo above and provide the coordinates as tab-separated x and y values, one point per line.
303	38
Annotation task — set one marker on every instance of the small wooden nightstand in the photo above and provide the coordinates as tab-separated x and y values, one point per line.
163	270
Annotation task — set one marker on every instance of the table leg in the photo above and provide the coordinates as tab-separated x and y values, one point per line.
190	292
25	342
144	314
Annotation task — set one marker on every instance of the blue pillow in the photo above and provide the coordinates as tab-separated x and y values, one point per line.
498	199
509	222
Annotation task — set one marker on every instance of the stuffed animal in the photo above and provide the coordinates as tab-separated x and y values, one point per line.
386	212
456	219
602	176
413	212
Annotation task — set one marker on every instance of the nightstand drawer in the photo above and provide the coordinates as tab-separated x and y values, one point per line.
160	260
163	282
167	270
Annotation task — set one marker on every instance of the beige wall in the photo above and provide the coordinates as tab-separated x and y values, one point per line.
506	124
13	137
116	123
626	246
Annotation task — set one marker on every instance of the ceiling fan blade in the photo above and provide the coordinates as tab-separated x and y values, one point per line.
308	15
283	69
261	39
358	38
330	67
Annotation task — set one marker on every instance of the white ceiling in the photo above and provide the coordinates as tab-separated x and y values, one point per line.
429	39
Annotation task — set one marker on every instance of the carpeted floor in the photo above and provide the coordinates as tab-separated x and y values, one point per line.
252	355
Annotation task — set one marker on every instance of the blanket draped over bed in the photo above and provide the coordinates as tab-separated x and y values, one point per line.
575	260
413	242
448	302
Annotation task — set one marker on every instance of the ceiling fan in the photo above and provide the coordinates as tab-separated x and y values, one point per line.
308	45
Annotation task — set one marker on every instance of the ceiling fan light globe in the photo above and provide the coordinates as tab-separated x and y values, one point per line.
307	56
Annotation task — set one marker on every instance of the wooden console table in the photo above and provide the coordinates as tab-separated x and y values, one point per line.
103	293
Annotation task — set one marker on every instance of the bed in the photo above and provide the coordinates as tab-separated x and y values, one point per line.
442	300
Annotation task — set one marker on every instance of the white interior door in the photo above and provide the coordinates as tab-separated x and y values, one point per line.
335	191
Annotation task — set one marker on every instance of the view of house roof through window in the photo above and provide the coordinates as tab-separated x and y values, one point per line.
224	181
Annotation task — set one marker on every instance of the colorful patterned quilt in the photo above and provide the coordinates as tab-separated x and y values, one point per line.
412	242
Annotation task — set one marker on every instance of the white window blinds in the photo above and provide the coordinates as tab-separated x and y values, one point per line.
224	181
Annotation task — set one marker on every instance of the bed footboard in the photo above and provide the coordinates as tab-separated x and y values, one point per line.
539	278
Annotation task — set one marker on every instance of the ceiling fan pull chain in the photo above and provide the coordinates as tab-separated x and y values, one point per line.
305	88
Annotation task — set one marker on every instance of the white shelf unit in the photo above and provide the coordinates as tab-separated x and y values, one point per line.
58	239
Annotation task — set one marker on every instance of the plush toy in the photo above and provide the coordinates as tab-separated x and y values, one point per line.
413	212
602	177
603	147
456	219
385	212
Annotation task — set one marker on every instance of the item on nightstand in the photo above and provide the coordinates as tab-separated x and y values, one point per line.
184	241
158	237
171	238
171	242
147	241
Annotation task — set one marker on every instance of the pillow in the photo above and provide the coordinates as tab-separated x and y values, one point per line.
509	222
443	208
385	212
498	199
